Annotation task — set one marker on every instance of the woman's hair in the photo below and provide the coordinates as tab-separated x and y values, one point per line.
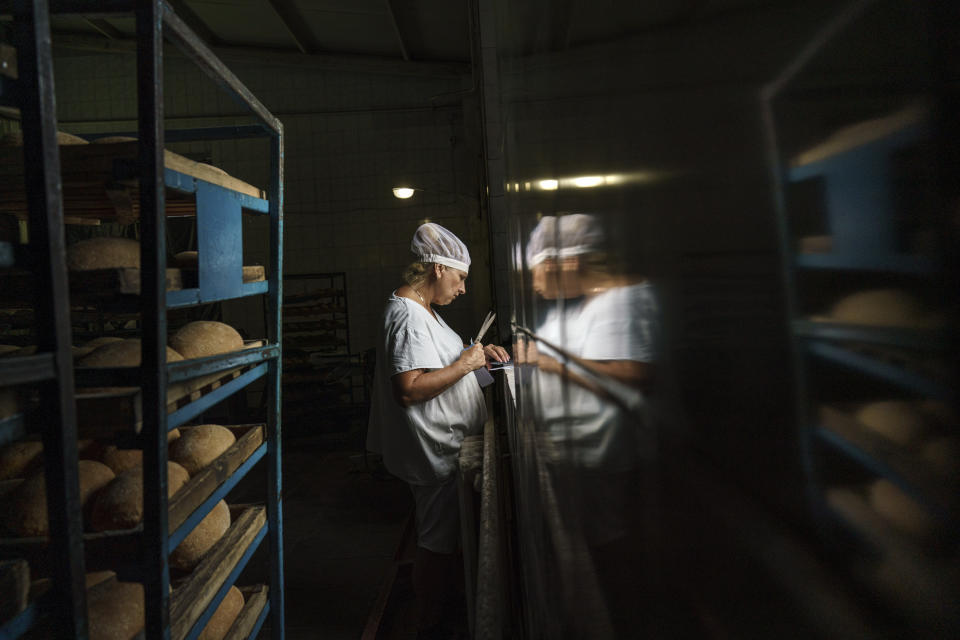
417	272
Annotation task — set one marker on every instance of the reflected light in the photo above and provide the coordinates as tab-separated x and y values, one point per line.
402	192
548	185
587	181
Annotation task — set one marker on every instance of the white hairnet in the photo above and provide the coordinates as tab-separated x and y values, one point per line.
433	243
565	236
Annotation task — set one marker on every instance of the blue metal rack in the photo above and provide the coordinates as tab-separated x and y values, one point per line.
219	224
857	180
51	370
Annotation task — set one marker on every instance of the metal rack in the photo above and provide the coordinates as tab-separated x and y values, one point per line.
51	368
183	613
856	182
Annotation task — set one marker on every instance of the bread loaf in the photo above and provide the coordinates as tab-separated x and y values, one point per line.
27	512
199	446
223	618
103	253
187	259
882	308
896	420
120	460
900	510
189	553
19	459
115	610
120	504
205	338
125	353
96	577
102	340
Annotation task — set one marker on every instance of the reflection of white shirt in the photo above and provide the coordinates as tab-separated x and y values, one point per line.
420	443
588	430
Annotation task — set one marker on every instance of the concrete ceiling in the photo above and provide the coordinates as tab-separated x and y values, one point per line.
415	31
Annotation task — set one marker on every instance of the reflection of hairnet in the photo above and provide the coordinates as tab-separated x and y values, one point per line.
570	235
433	243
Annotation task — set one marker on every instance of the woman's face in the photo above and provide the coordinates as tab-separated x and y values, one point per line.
553	279
450	284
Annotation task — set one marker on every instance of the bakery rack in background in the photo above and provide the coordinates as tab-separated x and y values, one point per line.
150	184
866	245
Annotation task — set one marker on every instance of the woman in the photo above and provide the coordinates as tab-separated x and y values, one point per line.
426	401
590	400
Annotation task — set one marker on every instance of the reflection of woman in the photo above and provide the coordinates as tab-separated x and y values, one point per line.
590	406
425	402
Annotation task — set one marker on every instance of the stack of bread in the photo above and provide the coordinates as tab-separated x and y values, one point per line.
925	431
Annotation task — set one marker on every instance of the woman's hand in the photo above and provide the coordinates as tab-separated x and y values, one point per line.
472	358
496	353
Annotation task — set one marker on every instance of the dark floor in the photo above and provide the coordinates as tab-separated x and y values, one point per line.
343	521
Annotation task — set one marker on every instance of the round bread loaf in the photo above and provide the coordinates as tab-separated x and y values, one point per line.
120	504
172	435
27	512
125	353
96	577
187	259
900	510
199	446
880	307
120	460
896	420
943	455
102	340
223	618
19	459
9	402
115	610
79	352
103	253
202	538
205	338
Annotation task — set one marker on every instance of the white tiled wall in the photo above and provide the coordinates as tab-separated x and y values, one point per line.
349	139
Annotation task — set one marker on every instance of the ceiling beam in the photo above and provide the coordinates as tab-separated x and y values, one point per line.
195	22
258	55
295	25
396	29
104	27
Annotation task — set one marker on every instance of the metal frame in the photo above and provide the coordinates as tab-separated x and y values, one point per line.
156	20
52	369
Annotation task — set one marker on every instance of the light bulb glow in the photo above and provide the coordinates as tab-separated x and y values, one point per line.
549	185
402	192
587	181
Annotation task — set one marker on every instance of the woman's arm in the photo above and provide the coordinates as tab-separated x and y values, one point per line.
419	385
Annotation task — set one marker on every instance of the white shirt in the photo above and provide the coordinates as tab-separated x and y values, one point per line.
420	443
586	429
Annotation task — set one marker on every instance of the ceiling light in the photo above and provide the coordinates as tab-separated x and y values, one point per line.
549	185
402	192
588	181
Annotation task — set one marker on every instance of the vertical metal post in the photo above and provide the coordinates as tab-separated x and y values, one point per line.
58	410
275	335
154	314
